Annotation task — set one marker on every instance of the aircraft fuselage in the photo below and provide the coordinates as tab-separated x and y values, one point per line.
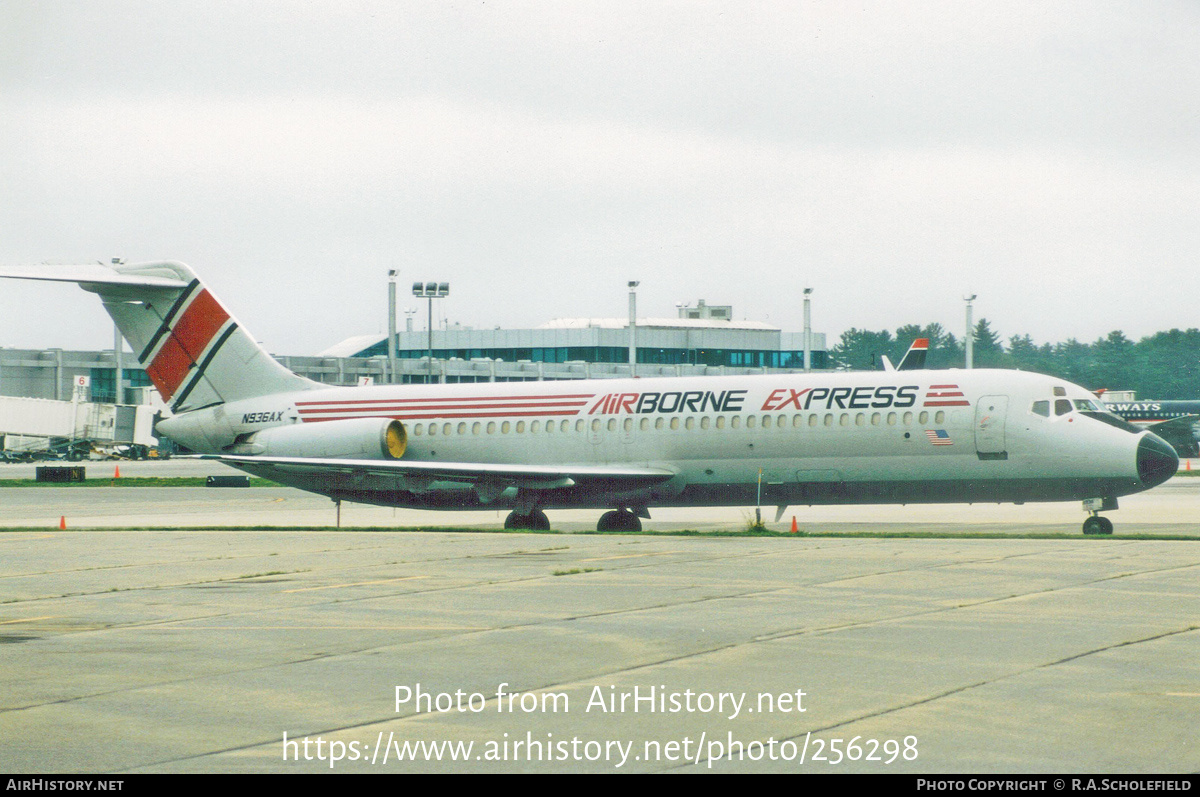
841	438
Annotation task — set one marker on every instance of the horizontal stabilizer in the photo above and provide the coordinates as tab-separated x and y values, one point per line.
91	274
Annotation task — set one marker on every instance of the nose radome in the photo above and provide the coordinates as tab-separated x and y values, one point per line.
1156	460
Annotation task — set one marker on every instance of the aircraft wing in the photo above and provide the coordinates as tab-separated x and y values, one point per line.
1179	432
534	477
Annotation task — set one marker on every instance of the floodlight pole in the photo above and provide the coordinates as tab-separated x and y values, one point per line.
808	330
392	326
633	328
118	350
969	341
431	291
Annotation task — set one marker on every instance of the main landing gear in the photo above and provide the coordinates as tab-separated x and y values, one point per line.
536	520
619	520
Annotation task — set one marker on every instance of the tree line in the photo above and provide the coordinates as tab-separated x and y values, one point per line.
1165	365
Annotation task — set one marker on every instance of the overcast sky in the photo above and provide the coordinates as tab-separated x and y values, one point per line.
538	155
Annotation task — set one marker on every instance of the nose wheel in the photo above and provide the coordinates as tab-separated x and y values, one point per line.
1096	524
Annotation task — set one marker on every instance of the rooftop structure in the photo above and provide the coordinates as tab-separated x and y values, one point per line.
709	338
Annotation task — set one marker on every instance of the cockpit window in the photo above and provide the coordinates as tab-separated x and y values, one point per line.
1041	408
1062	406
1087	405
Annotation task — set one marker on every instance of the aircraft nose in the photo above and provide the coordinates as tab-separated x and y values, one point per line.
1156	460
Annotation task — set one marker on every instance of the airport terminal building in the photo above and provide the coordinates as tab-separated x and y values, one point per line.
704	342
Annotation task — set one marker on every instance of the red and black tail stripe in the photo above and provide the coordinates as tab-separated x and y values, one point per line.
183	345
199	374
165	326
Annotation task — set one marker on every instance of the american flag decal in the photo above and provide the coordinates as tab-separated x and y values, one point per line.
945	396
939	437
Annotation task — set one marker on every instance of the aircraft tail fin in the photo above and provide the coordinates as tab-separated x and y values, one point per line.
193	350
914	358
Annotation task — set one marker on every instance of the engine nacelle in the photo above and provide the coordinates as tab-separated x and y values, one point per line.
353	438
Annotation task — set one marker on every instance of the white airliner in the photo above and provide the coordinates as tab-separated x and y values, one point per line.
625	445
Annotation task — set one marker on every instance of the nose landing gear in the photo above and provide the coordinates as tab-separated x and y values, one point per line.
1095	524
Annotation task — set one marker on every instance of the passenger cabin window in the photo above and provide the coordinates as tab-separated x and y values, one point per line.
1041	408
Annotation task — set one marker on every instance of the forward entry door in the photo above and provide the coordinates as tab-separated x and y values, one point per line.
990	412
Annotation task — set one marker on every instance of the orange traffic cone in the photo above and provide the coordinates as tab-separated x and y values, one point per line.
62	523
117	475
794	528
1189	464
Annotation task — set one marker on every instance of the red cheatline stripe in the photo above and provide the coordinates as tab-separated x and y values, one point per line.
439	415
943	387
187	340
946	394
583	396
547	405
946	404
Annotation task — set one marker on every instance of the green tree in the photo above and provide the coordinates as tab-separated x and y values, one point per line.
1114	362
1025	355
860	349
1169	365
988	350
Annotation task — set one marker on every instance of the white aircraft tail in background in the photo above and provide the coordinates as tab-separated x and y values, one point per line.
913	359
886	437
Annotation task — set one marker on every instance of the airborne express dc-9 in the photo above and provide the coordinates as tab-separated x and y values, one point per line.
623	445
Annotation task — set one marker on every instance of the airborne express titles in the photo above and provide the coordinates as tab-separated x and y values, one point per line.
864	397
